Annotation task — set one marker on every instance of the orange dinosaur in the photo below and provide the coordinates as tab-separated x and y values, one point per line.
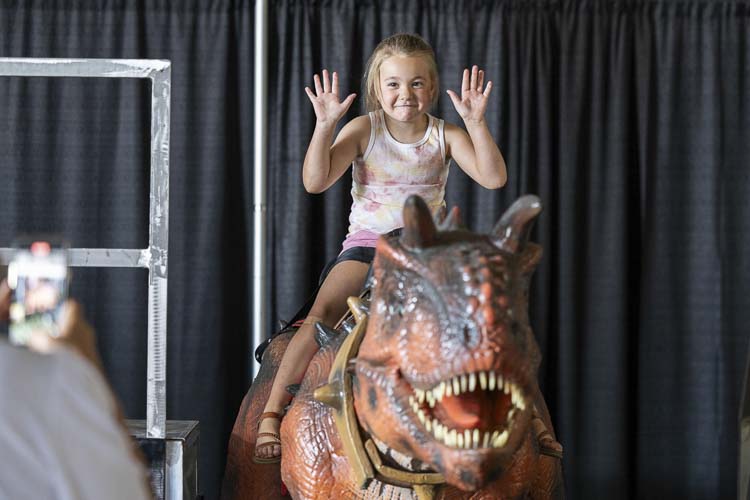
430	388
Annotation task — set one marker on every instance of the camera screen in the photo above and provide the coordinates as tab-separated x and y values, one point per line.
39	281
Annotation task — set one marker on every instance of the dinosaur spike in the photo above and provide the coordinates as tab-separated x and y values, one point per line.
419	229
512	230
357	308
324	334
451	221
330	394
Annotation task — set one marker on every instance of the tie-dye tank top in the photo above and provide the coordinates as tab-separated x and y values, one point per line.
390	171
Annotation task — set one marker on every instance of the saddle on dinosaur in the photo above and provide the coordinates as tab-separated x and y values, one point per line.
427	388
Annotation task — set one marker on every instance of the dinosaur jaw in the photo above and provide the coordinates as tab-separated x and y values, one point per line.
471	411
473	431
425	424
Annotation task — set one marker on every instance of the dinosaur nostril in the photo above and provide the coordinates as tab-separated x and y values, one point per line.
469	336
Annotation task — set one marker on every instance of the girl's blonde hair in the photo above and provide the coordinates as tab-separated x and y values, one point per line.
401	44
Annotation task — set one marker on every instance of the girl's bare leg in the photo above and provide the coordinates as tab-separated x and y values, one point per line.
344	280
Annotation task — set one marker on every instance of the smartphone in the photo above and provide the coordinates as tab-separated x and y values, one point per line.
38	277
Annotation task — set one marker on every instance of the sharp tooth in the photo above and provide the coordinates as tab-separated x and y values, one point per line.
472	382
428	425
437	431
483	380
420	395
467	438
420	415
440	391
456	387
506	387
464	383
494	436
451	438
460	440
500	441
432	402
411	400
475	443
448	389
491	385
499	382
511	413
486	440
522	404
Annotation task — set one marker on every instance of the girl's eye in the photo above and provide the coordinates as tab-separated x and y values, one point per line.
418	85
391	85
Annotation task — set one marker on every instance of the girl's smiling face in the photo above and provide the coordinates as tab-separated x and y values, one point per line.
405	88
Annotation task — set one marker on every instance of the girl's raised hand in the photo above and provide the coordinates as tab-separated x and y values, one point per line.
328	109
473	101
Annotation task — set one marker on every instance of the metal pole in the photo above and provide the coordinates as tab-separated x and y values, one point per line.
260	304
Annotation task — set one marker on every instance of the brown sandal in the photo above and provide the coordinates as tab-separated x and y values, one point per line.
276	442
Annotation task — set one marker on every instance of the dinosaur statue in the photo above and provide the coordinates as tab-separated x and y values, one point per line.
427	389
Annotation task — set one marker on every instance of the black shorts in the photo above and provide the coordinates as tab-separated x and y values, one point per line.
359	254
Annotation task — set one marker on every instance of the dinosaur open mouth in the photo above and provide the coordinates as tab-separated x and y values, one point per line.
470	411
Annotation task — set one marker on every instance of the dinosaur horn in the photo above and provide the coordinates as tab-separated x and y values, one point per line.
512	230
450	220
419	229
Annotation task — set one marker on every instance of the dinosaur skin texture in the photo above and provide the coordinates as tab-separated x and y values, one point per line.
448	351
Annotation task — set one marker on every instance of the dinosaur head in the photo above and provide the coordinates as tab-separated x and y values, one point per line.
446	370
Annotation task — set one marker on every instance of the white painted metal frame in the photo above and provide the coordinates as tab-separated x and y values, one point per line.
153	258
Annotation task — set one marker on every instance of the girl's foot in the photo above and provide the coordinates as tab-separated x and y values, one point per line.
268	442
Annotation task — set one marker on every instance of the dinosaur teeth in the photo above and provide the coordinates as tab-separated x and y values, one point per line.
423	399
501	439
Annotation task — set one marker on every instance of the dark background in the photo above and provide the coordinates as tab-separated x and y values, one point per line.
630	119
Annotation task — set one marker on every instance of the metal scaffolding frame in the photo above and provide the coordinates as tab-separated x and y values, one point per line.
153	258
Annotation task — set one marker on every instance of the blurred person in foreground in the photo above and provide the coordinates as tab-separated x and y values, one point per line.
62	435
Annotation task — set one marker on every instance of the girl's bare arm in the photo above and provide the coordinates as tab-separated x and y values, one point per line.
476	152
326	163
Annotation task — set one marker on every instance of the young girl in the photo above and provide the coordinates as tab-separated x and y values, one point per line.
396	150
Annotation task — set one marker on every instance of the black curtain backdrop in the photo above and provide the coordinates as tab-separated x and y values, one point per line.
630	119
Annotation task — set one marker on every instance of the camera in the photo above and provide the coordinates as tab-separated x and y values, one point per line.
38	277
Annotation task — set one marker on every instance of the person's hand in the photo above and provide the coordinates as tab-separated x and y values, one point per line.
328	109
4	300
74	332
473	101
